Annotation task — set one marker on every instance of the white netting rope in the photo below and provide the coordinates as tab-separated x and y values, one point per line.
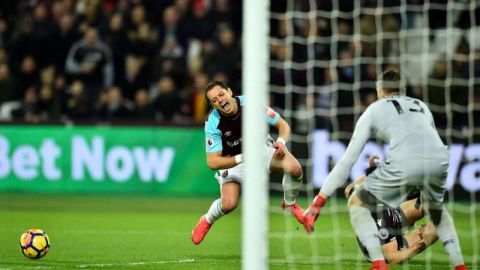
410	48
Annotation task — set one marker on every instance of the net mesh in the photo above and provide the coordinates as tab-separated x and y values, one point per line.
325	57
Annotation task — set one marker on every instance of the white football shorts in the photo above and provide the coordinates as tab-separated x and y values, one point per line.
237	173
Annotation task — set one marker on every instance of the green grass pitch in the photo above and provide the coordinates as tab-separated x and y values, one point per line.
131	232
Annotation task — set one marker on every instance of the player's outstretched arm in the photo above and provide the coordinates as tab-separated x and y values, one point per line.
394	256
340	172
418	240
215	161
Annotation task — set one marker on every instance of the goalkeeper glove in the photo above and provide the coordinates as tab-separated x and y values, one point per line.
312	212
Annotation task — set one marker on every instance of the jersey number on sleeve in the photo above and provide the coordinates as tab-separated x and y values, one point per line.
400	110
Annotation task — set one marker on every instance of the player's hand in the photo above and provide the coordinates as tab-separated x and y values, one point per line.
421	231
312	212
427	233
348	189
280	149
371	161
419	245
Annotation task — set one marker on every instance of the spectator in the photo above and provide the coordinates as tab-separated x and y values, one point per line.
183	9
198	102
57	10
170	61
27	76
117	39
346	71
28	111
7	84
226	57
22	44
134	76
167	102
323	97
90	60
3	32
170	28
43	36
226	13
77	107
3	56
90	14
143	41
66	35
436	92
49	102
143	108
137	18
199	26
113	106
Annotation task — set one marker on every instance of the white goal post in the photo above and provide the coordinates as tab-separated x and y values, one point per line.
255	185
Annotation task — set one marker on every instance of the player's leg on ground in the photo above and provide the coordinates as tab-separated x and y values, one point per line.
291	182
366	230
447	234
230	193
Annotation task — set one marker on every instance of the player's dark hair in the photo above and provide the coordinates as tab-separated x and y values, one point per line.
212	84
390	81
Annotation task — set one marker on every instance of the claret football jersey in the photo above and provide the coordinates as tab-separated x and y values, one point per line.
225	133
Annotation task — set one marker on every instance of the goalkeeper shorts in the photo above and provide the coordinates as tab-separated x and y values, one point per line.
392	182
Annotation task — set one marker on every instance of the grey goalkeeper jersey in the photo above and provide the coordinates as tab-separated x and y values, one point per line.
405	124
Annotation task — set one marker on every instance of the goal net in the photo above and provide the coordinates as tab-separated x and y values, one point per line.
325	57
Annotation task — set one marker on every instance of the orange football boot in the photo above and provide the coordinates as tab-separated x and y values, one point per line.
295	209
200	230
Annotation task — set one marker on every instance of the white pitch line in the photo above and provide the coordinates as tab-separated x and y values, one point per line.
134	263
29	267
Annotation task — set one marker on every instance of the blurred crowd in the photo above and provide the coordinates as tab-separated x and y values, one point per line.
115	60
148	61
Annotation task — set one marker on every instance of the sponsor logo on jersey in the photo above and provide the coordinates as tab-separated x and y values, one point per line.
225	174
228	133
210	142
383	233
234	143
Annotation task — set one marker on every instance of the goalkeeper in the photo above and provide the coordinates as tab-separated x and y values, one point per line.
223	131
391	223
417	158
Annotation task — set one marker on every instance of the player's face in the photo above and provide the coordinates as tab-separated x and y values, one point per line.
222	100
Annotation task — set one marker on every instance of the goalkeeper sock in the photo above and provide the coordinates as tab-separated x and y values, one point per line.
367	231
291	188
447	234
215	212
